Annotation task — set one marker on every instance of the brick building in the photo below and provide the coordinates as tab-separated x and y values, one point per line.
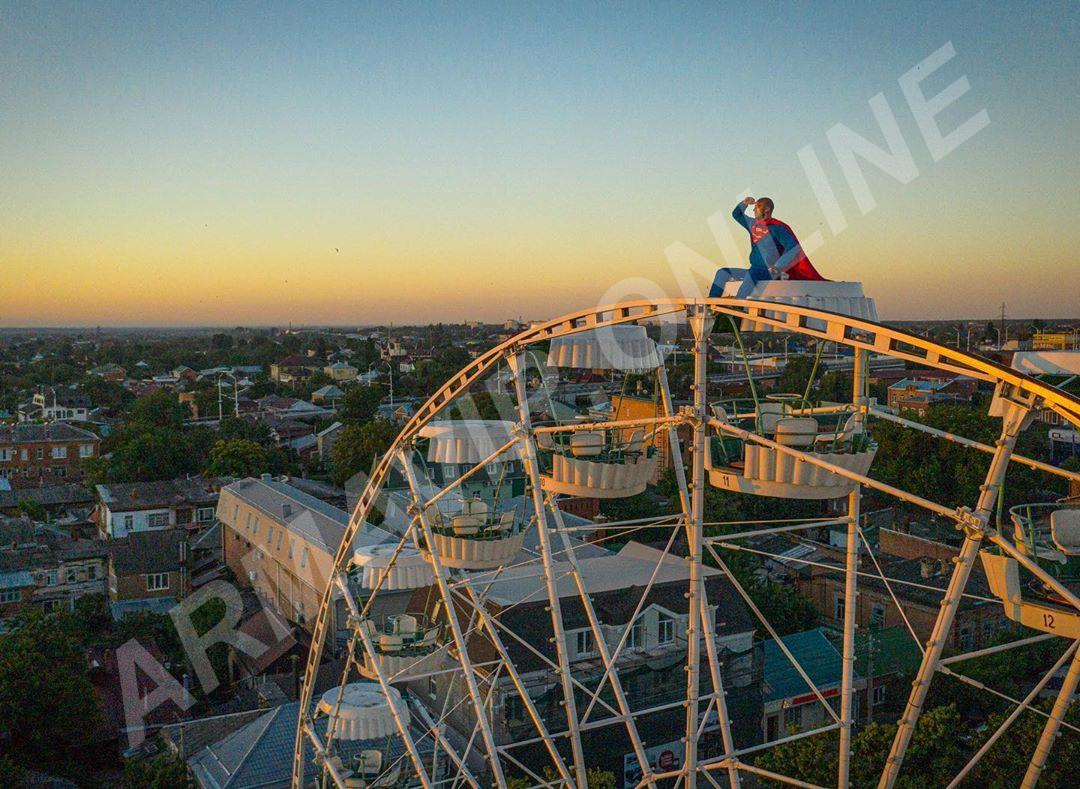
148	571
919	570
32	455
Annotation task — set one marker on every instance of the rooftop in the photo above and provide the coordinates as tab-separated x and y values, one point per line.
148	552
815	653
162	494
34	434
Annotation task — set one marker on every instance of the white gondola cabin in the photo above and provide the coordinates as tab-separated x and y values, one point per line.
473	534
747	467
366	744
597	462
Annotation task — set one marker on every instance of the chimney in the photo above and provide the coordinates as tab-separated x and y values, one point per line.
264	477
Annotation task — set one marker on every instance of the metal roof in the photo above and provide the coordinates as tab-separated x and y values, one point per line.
817	656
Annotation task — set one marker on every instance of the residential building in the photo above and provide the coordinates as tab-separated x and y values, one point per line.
328	395
920	569
57	452
295	368
281	542
70	500
650	666
635	407
258	755
45	568
148	571
790	704
55	403
341	371
326	439
918	394
109	372
128	507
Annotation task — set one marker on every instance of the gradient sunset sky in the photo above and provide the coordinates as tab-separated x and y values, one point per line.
356	163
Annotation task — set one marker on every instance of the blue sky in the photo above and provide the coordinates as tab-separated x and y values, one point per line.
486	161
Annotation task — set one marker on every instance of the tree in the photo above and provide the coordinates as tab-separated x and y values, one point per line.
161	772
46	700
836	387
149	454
795	374
357	446
35	510
237	457
359	404
158	409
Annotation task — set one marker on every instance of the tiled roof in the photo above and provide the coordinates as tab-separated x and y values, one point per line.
35	434
50	495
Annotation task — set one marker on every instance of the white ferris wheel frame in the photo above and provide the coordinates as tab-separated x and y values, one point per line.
1018	393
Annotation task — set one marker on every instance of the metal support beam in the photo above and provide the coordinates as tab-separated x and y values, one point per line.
455	627
851	575
1053	726
694	528
1016	417
532	469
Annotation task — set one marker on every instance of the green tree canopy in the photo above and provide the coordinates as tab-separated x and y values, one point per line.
46	699
237	457
357	446
359	404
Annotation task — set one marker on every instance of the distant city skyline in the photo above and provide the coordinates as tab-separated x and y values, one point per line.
201	165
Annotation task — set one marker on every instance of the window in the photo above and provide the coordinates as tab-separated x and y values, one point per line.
10	595
70	576
91	573
129	521
59	453
247	521
280	537
41	453
303	557
157	520
49	578
988	630
255	527
292	545
59	471
156	582
7	455
879	694
793	717
270	535
636	639
205	514
838	608
25	454
584	643
432	688
86	450
877	616
236	513
665	629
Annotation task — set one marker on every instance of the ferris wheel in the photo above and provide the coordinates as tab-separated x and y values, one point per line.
485	640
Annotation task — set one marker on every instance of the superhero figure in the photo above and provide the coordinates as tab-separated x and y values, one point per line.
774	251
